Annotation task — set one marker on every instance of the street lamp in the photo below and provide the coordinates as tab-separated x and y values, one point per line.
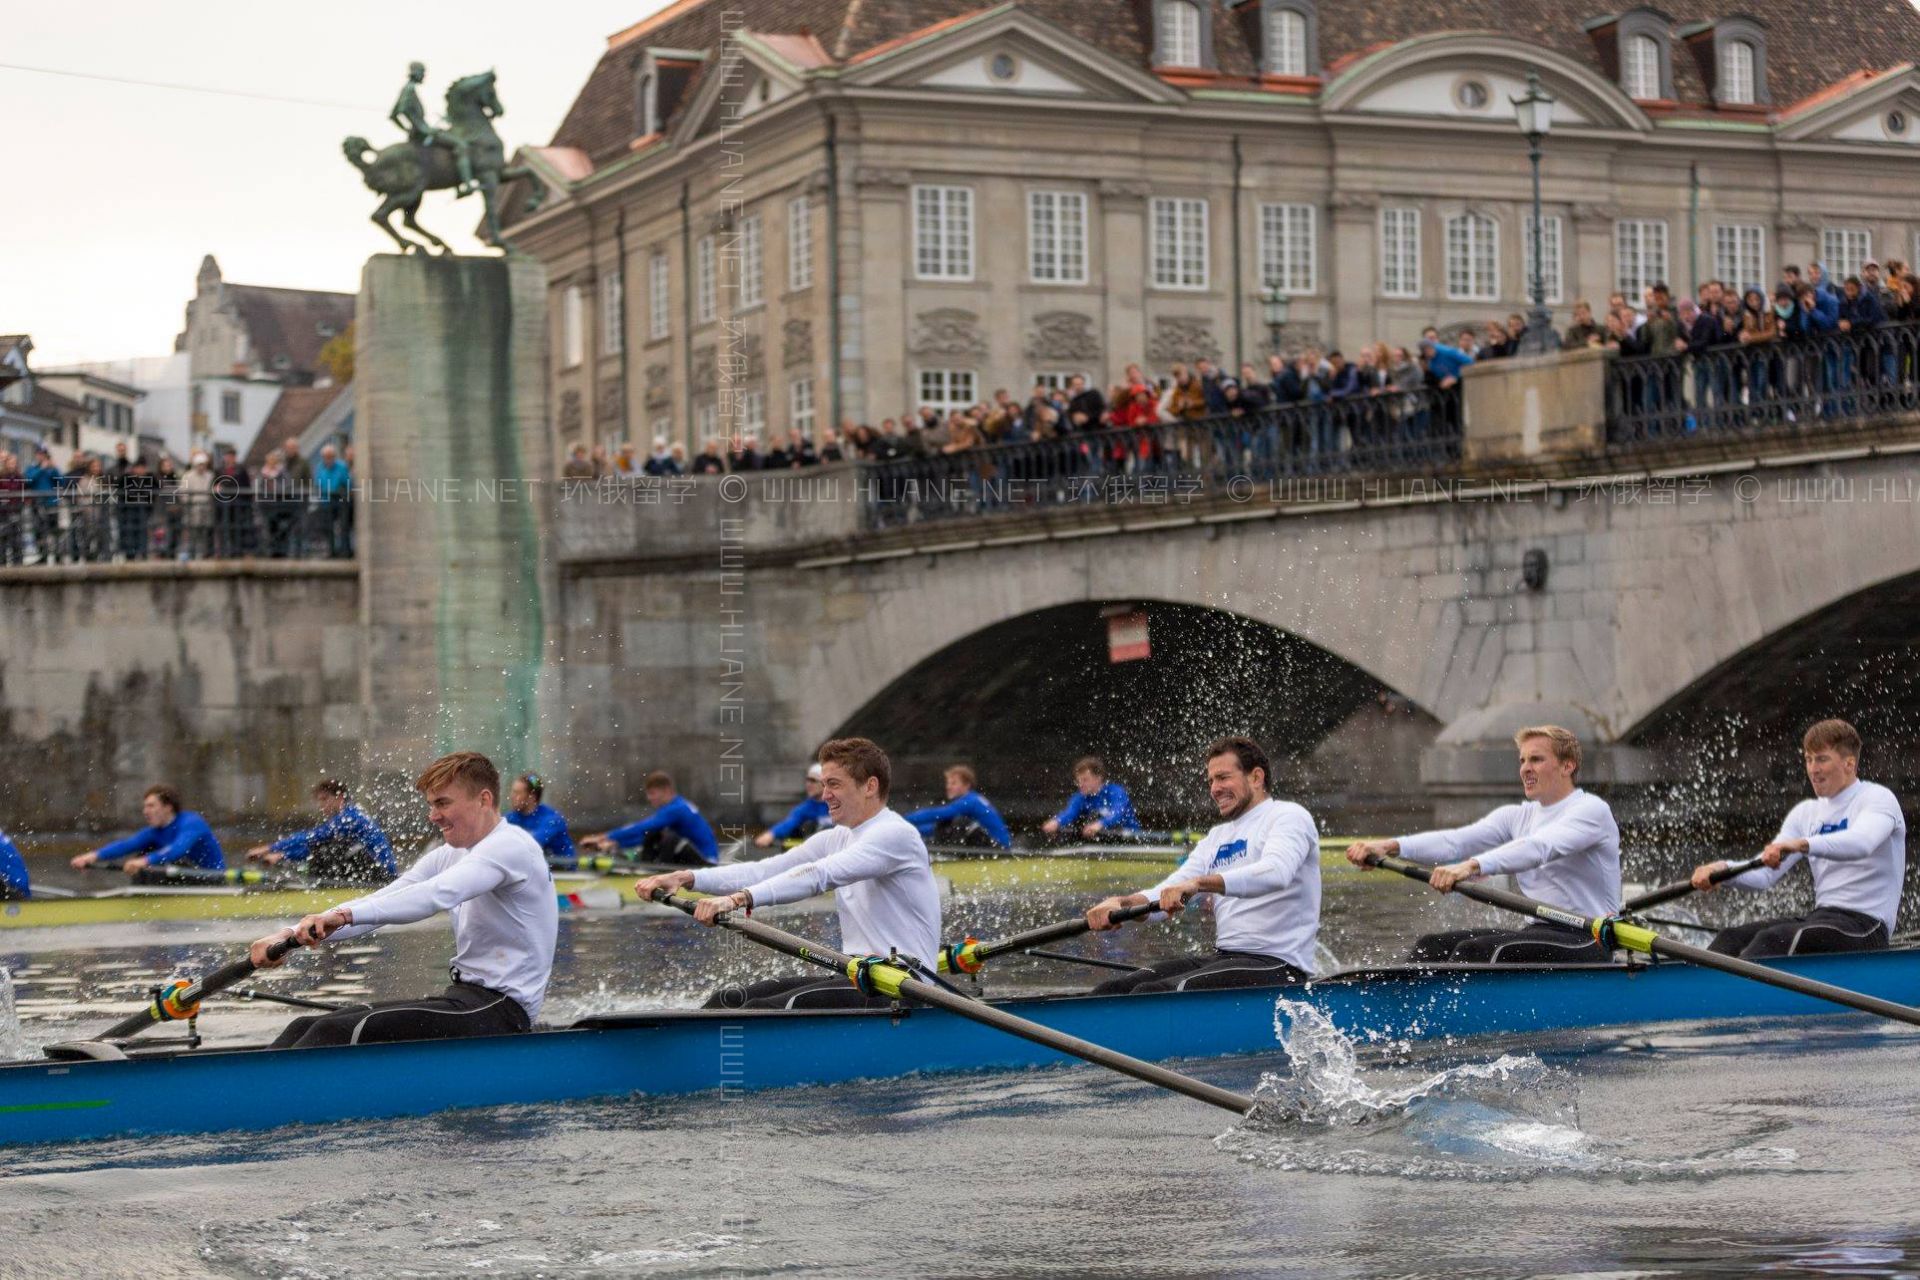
1534	114
1274	306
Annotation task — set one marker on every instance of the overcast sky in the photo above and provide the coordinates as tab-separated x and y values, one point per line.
113	192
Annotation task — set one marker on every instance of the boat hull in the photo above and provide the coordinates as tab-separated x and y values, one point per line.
675	1053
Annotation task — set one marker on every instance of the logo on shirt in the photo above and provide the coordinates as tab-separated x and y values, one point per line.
1229	852
1832	827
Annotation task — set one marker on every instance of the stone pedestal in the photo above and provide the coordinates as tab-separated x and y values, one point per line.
454	476
1534	409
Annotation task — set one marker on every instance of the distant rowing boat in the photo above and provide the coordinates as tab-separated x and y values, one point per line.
163	1090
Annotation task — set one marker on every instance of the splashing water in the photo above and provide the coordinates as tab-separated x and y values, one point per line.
1511	1119
13	1042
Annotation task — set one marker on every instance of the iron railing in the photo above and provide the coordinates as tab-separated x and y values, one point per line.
1171	462
1791	386
77	523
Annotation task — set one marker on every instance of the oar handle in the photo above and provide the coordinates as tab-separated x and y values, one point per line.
1681	888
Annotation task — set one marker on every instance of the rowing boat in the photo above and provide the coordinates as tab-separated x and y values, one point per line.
170	1090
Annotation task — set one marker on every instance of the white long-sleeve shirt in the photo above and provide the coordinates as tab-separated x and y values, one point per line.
887	896
1565	855
1856	849
1269	860
501	898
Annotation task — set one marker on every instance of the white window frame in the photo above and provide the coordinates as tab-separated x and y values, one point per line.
1639	256
1473	257
753	276
942	233
941	388
1289	240
1057	379
612	299
232	407
705	295
706	422
1177	242
750	414
659	301
1552	260
1640	67
800	408
1738	62
1286	42
799	244
1399	251
1179	33
1842	250
1740	255
573	337
1057	237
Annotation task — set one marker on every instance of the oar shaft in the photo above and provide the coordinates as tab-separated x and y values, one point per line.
975	1011
1681	888
214	983
1060	932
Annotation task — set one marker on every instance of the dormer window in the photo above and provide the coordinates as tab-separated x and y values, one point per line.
1641	49
1732	56
1288	38
1736	73
1640	67
1181	34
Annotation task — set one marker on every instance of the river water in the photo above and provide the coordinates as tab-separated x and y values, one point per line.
1780	1149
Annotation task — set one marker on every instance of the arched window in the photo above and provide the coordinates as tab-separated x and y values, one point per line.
1640	69
1736	73
1179	34
1286	42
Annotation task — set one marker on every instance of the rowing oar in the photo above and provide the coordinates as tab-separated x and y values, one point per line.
877	977
1619	931
1681	888
971	955
181	999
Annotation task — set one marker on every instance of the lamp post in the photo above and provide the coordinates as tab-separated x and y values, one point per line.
1274	306
1534	114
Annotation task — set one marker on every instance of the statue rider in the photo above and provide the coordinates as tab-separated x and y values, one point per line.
409	115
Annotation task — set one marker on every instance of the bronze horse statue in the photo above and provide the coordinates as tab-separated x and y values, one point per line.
406	171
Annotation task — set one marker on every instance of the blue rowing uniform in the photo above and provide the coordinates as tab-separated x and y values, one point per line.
678	816
971	807
187	841
13	871
349	827
1110	805
549	830
796	823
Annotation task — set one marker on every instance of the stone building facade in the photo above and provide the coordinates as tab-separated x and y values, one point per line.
793	212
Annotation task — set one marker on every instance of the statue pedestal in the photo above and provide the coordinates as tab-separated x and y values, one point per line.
454	475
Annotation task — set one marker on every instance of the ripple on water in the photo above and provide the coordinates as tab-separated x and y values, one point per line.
1509	1120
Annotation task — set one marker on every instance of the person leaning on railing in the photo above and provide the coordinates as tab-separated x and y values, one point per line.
13	510
196	495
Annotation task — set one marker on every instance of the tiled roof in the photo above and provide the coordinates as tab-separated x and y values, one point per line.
292	414
288	323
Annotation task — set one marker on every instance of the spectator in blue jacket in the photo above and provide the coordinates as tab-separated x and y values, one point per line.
528	810
805	818
172	837
1859	307
1098	806
1826	296
966	818
13	872
347	846
674	832
1444	363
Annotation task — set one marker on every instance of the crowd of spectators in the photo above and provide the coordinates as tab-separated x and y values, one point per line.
127	508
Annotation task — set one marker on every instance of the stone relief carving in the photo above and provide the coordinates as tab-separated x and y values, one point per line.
796	343
607	405
1352	201
659	394
706	370
1183	338
1595	212
947	331
1064	336
1124	189
571	412
872	176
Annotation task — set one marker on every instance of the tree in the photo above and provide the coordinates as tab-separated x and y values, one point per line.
337	356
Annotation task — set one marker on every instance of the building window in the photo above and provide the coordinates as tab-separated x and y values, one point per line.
1740	255
799	243
1472	95
1550	280
751	412
947	390
1640	67
1286	42
1842	250
706	422
229	406
1057	237
1736	73
1055	379
1286	247
573	338
612	298
943	233
1179	243
1473	257
1639	255
753	286
1179	34
705	304
657	298
800	405
1400	252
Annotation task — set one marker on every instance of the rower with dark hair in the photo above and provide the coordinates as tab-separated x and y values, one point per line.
674	832
803	819
1561	846
1098	806
14	882
873	861
1260	869
489	876
348	847
528	810
967	818
173	838
1853	838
